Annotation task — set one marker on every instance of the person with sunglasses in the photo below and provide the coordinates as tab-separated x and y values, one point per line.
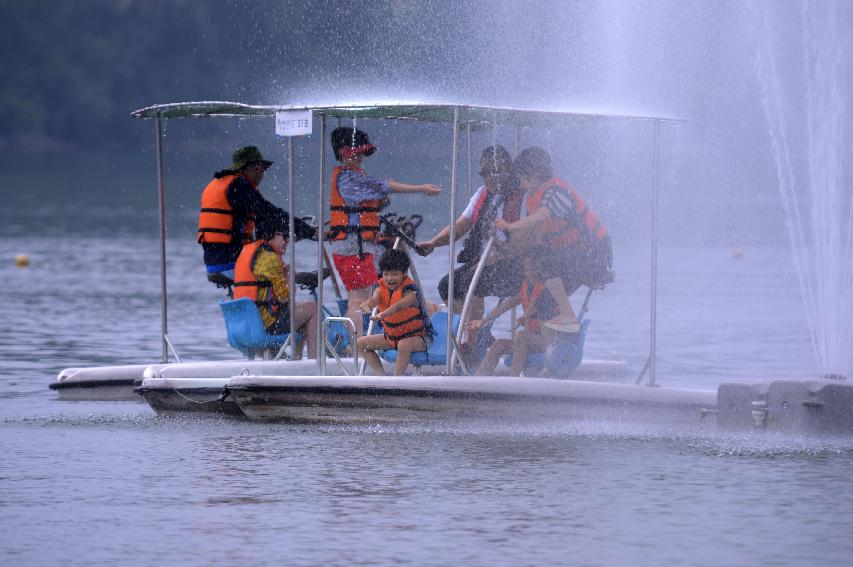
498	197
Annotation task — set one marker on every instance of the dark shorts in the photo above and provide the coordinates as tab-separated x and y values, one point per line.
282	322
577	266
502	279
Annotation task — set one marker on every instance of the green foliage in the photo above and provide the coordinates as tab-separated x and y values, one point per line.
74	69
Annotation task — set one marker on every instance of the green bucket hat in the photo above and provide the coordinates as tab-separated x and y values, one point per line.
246	156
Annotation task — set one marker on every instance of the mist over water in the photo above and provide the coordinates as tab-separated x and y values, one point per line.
807	97
108	483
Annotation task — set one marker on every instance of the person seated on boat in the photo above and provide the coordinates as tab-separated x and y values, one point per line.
401	310
561	232
537	304
355	201
231	204
261	275
498	197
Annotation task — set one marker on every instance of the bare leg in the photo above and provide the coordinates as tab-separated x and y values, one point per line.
305	314
499	348
478	308
367	347
529	343
356	298
520	350
405	348
558	292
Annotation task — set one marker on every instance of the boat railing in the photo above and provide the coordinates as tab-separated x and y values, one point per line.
331	348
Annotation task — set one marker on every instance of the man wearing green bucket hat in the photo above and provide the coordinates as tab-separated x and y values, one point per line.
230	205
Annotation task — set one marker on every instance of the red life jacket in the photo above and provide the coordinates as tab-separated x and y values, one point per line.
560	233
216	218
245	282
512	206
367	226
528	300
408	322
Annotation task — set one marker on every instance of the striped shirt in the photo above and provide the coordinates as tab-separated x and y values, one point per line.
559	203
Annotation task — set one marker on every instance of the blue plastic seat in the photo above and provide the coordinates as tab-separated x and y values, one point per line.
245	328
563	357
436	354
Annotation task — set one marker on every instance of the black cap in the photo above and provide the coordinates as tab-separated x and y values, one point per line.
348	141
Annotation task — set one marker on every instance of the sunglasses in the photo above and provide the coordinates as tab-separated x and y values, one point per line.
492	173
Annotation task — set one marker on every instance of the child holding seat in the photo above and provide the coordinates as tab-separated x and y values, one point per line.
401	312
534	338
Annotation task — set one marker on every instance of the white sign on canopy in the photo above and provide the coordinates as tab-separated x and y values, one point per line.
293	122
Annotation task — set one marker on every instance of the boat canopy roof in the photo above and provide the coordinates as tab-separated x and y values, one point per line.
483	116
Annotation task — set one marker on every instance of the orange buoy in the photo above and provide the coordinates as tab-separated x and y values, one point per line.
22	260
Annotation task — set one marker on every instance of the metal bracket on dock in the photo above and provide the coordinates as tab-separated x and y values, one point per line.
172	348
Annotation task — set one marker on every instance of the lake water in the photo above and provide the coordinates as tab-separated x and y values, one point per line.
106	483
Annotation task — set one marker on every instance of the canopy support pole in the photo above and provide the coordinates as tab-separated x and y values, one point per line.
161	191
470	179
466	306
654	270
321	339
449	342
291	240
513	315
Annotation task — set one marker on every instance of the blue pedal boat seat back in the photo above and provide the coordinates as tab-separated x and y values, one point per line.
245	328
436	353
564	356
561	358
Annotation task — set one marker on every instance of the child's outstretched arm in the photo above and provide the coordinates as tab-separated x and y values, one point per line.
372	302
426	188
499	310
527	223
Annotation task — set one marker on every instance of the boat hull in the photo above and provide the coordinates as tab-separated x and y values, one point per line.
100	383
183	396
419	399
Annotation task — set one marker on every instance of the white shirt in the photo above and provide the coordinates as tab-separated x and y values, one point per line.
468	213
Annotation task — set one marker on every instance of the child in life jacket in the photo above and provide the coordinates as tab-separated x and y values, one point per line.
534	338
260	274
356	199
401	311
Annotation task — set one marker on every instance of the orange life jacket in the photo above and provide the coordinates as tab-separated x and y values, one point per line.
560	233
408	322
245	282
528	300
216	219
368	212
512	206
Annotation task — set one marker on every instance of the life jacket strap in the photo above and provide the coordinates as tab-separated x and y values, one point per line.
403	322
351	229
252	284
354	210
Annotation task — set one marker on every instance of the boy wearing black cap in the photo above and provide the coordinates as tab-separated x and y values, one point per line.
355	201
